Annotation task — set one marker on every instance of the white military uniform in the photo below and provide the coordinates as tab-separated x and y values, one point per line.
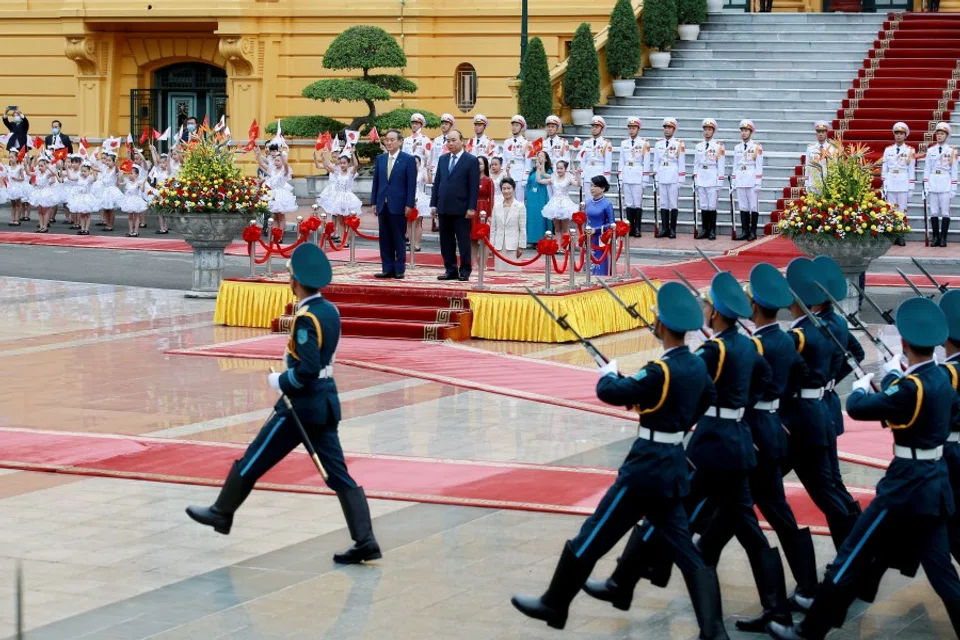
899	174
634	167
439	148
940	178
516	163
748	174
481	146
670	168
818	157
596	159
415	144
557	148
709	168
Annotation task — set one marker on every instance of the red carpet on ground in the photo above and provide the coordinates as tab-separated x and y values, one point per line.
501	485
542	381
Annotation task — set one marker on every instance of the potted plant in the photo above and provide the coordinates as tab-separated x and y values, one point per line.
842	216
690	15
210	202
581	85
535	96
623	49
715	6
660	30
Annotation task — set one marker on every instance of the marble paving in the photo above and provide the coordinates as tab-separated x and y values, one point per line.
113	559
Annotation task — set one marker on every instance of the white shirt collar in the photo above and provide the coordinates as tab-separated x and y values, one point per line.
772	323
918	365
671	350
303	302
954	358
797	322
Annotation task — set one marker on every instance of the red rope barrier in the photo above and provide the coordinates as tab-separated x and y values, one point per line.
353	221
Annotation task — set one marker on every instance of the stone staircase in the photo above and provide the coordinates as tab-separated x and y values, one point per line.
784	71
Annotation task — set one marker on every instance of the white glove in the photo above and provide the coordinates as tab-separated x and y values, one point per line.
893	366
863	384
609	369
274	380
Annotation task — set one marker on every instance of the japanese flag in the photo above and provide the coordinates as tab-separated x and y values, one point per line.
352	137
576	143
336	144
162	136
222	124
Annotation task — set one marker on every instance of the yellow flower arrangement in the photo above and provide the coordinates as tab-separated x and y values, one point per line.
842	205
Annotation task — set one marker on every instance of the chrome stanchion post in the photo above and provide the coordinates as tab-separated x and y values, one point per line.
253	255
323	231
547	267
269	261
588	258
316	233
612	258
299	222
626	249
572	258
352	239
413	244
482	255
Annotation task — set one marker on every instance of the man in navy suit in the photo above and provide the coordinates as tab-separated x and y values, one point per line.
454	200
393	194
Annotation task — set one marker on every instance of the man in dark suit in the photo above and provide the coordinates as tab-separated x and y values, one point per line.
454	200
56	139
19	128
393	195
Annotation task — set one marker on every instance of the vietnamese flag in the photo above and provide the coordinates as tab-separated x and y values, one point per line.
254	132
38	143
60	154
22	154
318	145
374	135
146	134
206	123
536	148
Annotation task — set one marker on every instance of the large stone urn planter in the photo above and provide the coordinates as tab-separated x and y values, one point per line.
208	234
853	258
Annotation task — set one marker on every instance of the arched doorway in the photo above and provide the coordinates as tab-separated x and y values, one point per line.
179	91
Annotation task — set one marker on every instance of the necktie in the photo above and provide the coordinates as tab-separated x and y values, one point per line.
744	146
940	149
453	163
389	166
898	150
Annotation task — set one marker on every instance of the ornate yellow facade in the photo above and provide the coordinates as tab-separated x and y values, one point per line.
81	60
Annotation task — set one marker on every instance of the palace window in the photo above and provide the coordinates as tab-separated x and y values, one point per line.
465	87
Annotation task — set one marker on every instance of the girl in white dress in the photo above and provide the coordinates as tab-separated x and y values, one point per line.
71	176
424	177
497	174
159	174
18	190
46	193
82	202
337	199
560	208
282	200
5	198
132	203
105	188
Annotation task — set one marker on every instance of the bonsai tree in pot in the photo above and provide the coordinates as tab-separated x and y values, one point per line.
623	48
690	15
843	217
660	30
581	86
209	202
535	96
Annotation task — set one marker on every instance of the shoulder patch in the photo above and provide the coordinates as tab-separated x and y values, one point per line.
641	374
302	311
892	390
698	352
302	336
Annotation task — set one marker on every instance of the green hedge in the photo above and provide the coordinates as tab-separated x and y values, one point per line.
691	11
660	24
581	85
535	96
307	126
623	44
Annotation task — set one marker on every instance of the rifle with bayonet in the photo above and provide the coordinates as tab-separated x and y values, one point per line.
656	205
942	287
825	330
926	220
886	315
630	309
855	321
733	216
561	321
907	279
697	292
694	205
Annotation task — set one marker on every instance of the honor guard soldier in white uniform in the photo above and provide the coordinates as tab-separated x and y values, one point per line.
709	163
556	147
447	122
634	167
596	155
818	156
670	169
516	162
899	169
940	183
747	178
480	144
416	143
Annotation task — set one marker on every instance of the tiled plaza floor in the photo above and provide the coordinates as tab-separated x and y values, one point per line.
113	558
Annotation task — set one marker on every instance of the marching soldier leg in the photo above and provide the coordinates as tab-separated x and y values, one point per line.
813	469
275	440
616	513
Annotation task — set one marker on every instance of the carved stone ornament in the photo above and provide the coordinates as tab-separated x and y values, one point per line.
241	54
86	52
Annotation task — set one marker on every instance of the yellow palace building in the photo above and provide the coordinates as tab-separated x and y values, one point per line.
110	67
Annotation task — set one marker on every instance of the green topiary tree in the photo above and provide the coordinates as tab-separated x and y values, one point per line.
307	126
535	97
691	11
581	86
660	24
623	42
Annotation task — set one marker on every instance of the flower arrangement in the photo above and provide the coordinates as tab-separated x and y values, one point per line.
843	206
210	182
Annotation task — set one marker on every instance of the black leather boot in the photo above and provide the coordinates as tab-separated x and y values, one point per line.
705	595
713	225
356	511
634	221
800	555
754	221
829	608
953	610
935	237
674	214
552	607
944	229
768	574
641	559
220	515
744	226
639	211
704	232
664	223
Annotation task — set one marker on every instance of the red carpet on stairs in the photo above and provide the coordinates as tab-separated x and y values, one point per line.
500	485
513	376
